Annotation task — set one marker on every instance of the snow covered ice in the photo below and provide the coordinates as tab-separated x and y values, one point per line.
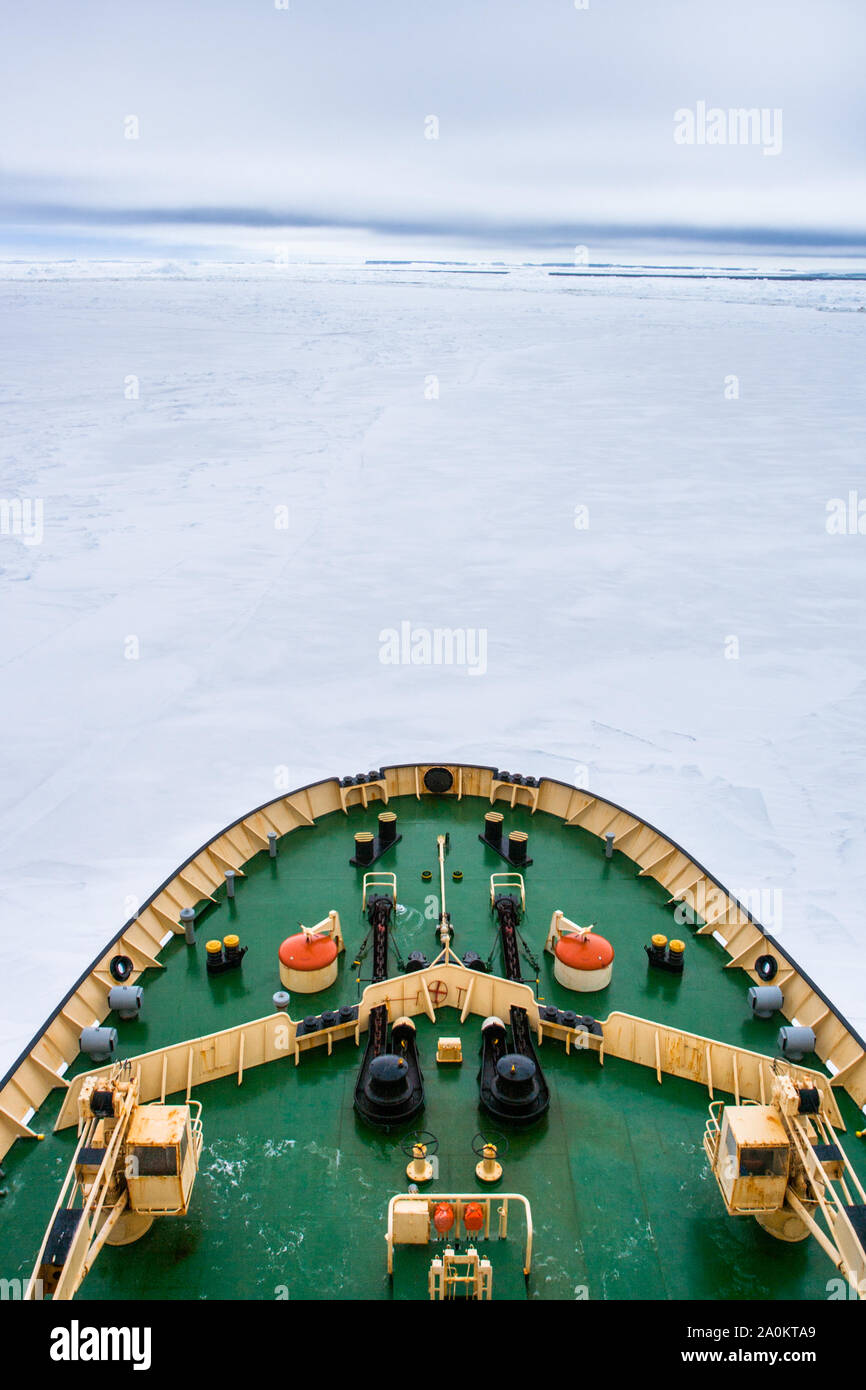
247	474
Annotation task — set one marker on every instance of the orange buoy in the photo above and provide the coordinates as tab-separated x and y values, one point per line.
308	963
473	1216
443	1218
583	961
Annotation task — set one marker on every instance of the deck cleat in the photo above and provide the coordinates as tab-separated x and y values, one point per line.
370	847
666	955
224	955
512	847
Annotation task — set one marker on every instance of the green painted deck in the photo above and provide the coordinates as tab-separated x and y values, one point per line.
292	1193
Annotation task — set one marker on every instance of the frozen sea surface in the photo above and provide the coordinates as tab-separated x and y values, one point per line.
173	654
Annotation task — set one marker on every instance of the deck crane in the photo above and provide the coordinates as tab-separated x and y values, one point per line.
782	1163
132	1163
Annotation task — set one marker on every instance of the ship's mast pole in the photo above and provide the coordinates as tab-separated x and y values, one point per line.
444	933
440	840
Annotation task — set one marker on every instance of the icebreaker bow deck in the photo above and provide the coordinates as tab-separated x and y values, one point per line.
522	988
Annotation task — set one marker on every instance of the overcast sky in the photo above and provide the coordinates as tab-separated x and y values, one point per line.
553	121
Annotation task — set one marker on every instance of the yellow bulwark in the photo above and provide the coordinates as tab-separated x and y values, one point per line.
670	1051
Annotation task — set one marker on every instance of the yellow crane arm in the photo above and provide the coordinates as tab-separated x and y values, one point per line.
76	1233
835	1191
